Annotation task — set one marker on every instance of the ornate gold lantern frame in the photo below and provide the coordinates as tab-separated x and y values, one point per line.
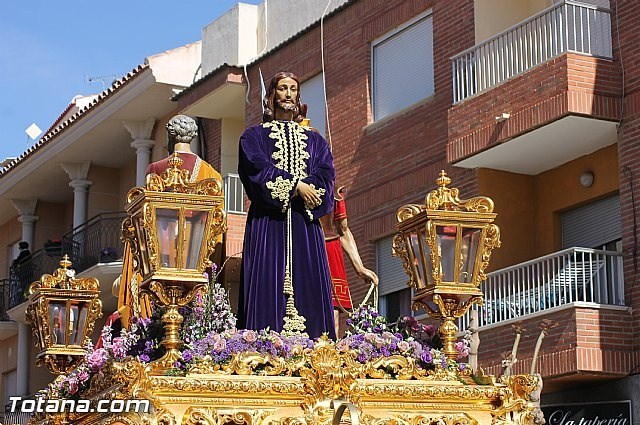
172	230
445	246
62	313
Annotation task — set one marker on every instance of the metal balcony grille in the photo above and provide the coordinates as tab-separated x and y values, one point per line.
23	274
95	241
571	275
566	27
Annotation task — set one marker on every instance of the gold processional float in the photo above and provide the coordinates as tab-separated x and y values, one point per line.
445	246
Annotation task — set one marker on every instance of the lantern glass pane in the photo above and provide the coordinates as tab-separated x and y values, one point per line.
77	319
194	233
422	259
168	237
468	252
446	236
58	321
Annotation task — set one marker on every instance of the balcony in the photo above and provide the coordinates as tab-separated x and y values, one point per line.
545	85
583	291
22	275
95	241
574	275
566	27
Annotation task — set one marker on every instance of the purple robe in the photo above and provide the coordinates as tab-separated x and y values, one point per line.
281	233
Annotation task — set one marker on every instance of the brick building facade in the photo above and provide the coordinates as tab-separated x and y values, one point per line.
561	108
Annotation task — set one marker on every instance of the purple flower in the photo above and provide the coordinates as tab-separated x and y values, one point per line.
83	376
119	348
97	360
426	356
144	358
73	385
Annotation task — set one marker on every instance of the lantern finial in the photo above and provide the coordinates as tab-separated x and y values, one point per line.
443	180
175	161
65	263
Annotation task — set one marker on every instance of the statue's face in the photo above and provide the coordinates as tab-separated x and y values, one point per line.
286	94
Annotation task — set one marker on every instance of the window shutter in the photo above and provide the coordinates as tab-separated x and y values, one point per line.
312	93
403	68
389	268
592	225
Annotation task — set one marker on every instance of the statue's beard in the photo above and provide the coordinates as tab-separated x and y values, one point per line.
286	106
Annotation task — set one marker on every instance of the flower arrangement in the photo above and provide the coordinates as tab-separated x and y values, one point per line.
371	337
220	347
211	337
95	360
209	312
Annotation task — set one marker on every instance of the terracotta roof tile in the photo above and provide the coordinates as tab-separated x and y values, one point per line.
55	130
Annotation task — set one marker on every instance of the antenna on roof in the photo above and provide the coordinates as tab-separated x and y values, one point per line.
102	79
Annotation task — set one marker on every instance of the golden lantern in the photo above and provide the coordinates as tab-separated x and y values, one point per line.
172	229
445	246
62	312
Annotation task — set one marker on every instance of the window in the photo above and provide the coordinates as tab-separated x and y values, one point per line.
594	225
233	193
312	93
402	63
395	295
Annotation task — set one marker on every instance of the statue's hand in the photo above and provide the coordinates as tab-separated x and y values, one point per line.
368	276
308	194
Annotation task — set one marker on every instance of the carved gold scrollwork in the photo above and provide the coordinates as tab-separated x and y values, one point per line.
330	375
401	250
517	406
448	198
400	366
491	241
422	419
407	211
176	179
211	416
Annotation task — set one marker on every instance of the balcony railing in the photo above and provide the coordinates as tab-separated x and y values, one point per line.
233	193
23	274
565	277
96	241
18	417
566	27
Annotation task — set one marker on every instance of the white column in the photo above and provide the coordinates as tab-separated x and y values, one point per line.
77	172
141	134
26	209
22	370
143	158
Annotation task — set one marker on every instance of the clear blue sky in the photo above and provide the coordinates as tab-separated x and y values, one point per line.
49	48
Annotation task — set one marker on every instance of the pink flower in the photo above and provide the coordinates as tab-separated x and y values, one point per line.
250	336
220	345
83	376
462	349
403	346
388	336
118	348
73	385
379	342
